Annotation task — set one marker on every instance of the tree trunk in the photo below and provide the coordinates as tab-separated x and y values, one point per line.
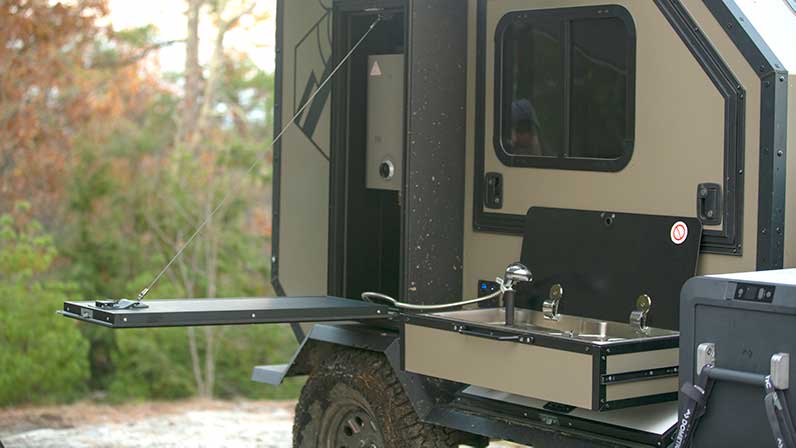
214	74
193	74
195	366
195	123
211	267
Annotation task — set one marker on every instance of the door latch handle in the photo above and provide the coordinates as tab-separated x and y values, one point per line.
709	203
493	190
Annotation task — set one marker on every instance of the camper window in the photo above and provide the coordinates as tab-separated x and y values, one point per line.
564	92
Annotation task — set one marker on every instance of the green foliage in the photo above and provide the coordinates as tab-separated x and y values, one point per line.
155	363
122	229
43	356
151	363
140	36
242	348
130	188
26	250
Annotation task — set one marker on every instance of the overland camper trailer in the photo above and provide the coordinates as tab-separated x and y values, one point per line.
520	219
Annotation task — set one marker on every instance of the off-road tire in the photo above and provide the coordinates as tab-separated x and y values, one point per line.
354	399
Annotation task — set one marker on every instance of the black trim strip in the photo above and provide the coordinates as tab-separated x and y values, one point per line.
598	364
339	157
773	130
629	377
277	148
635	345
726	241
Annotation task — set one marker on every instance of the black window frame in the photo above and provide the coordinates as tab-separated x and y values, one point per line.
566	15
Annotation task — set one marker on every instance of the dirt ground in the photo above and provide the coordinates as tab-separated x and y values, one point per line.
194	424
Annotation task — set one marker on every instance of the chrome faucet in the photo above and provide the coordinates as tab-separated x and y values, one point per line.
515	273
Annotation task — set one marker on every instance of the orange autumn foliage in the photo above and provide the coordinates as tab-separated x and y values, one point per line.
53	90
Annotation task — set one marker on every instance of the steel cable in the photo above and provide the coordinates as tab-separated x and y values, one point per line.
256	161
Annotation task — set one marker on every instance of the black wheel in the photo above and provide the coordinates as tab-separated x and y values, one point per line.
354	400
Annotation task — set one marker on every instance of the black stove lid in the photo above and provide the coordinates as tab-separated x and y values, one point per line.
605	260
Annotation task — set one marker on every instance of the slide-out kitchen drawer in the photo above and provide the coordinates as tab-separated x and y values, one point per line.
596	376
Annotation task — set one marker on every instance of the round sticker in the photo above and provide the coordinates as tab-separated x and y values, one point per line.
679	232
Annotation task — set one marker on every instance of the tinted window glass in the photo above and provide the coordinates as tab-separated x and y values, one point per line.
533	88
599	88
566	89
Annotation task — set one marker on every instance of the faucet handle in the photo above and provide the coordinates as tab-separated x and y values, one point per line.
638	317
550	306
556	292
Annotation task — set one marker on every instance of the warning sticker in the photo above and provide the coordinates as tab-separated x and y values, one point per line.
679	232
375	70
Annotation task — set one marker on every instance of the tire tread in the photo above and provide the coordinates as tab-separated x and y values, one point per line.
404	427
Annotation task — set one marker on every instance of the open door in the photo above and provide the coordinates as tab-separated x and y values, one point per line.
301	204
238	311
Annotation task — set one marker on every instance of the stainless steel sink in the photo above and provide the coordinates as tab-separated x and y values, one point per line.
589	330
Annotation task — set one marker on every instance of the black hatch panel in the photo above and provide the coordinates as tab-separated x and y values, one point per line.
605	260
237	311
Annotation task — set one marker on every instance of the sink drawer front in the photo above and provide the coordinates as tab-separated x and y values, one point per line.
597	378
532	371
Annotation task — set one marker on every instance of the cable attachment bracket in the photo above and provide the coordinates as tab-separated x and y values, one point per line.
120	304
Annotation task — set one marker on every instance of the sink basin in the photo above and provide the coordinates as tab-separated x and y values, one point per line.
590	330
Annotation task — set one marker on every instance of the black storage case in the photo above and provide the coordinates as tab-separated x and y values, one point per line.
749	318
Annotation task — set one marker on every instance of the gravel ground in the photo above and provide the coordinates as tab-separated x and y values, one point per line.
191	424
164	425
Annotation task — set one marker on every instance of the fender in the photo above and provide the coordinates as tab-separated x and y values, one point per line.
323	341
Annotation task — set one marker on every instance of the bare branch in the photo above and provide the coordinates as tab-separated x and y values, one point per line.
138	56
232	22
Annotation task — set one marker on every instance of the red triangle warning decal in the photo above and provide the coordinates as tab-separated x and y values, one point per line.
375	70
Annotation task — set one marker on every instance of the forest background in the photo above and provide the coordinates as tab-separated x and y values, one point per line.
115	142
